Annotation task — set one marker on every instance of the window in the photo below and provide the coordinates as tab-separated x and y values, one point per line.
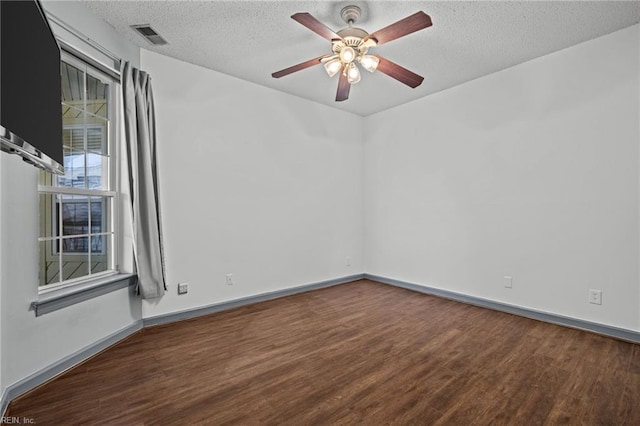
77	225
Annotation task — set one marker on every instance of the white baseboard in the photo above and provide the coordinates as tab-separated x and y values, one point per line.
261	297
606	330
47	373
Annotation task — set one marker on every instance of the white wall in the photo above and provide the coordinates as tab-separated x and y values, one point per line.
254	182
530	172
29	344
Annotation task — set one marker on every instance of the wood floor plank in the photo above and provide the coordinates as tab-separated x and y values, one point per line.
635	360
628	403
358	353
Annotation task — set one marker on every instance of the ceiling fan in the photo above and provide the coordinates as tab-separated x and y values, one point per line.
351	45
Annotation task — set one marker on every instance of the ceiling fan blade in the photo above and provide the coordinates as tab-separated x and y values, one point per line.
343	88
316	26
298	67
408	25
401	74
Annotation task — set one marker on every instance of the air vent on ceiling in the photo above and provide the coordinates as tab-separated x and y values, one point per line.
149	34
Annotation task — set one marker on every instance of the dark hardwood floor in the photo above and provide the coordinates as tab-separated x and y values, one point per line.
356	353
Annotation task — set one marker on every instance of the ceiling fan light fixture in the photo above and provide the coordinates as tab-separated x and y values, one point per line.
333	66
369	62
350	45
353	73
347	54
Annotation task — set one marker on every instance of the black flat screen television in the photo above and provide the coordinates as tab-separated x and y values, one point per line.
30	110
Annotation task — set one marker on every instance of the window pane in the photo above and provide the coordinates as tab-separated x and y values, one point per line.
97	94
100	215
75	246
73	137
75	260
74	171
46	216
100	251
75	216
49	264
72	84
73	120
97	135
97	171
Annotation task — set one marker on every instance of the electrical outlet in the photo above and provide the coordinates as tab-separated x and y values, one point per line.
183	288
229	279
595	296
508	281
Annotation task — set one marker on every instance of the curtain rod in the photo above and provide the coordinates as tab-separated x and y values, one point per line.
83	37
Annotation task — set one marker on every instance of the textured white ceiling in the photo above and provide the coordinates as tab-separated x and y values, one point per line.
252	39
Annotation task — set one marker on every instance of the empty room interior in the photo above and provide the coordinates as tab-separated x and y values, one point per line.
318	212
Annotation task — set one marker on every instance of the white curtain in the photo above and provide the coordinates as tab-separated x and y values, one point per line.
140	146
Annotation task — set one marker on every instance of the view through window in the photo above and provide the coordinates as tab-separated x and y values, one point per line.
76	209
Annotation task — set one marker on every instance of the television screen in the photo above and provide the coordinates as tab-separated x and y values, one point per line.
30	111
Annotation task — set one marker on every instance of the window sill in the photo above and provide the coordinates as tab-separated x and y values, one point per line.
58	299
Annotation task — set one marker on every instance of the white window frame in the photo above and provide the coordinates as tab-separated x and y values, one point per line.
112	233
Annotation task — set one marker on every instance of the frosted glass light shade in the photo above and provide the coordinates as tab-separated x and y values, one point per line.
333	66
369	62
353	74
347	54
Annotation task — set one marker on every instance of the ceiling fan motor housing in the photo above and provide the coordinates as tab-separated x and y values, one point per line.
353	33
352	37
